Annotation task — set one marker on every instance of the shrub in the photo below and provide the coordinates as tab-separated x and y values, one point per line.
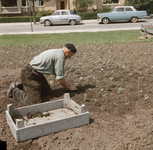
43	13
86	16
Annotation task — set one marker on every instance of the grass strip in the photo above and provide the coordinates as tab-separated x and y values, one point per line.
76	38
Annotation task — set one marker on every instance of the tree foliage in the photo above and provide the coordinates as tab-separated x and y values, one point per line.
104	9
82	5
141	4
33	10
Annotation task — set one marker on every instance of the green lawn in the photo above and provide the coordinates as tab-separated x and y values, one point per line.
76	38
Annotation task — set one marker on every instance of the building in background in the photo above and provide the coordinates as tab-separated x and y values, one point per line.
21	7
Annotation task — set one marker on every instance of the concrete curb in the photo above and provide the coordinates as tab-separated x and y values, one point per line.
73	31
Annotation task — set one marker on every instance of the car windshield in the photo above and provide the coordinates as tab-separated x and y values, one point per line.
56	13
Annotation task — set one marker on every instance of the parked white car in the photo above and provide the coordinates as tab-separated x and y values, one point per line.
61	17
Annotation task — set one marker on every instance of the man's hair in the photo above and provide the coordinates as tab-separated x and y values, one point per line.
71	47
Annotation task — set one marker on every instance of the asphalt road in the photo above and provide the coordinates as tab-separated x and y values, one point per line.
85	26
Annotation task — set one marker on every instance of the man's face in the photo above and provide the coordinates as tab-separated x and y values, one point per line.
69	54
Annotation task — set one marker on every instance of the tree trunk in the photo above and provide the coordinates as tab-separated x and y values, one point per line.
34	14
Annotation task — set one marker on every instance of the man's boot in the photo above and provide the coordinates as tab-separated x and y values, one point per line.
10	91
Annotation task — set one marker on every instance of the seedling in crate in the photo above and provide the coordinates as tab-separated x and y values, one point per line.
39	115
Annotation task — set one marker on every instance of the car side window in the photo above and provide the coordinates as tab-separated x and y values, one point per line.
64	13
120	9
57	13
128	9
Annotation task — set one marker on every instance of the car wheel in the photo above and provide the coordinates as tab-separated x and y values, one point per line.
47	23
105	20
72	22
134	19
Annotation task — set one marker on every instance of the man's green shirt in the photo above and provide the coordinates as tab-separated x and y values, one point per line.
50	62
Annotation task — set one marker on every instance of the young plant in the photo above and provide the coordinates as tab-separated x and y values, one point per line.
85	97
120	90
86	79
101	91
115	104
90	89
105	95
102	107
126	101
146	97
80	79
148	87
95	100
140	91
97	84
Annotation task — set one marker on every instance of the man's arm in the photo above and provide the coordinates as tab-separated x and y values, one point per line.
67	85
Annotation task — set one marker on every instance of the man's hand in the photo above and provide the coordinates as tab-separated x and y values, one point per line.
73	88
67	85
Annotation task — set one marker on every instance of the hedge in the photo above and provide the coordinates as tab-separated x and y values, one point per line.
17	19
86	16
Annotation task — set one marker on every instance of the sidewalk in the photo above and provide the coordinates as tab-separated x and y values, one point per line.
37	23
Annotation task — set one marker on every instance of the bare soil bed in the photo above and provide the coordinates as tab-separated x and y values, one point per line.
116	84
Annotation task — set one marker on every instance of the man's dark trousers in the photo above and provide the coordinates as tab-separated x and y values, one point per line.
35	86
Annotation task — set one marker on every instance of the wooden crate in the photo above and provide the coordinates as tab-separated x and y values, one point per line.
22	132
